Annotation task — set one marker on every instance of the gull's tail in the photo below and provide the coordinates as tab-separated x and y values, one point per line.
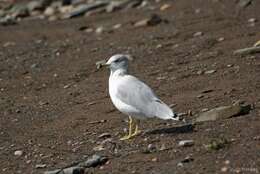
163	111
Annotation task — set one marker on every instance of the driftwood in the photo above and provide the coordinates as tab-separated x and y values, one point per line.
250	50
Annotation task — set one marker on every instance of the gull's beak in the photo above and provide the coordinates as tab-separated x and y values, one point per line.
101	63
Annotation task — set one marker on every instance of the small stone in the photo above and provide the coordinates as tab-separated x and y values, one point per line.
197	34
153	20
40	166
7	44
100	30
49	11
154	159
220	39
210	71
198	10
252	20
230	65
18	153
151	147
104	135
186	143
117	26
165	6
227	162
89	30
67	86
187	159
200	96
66	9
180	164
204	110
224	169
34	66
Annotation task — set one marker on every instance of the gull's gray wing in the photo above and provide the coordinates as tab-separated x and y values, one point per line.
137	94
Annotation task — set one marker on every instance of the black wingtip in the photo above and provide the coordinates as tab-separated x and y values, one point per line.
175	116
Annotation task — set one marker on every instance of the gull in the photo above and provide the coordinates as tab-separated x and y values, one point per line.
133	97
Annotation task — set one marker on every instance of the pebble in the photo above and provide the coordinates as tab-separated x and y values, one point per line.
180	164
252	20
151	147
187	159
227	162
104	135
224	169
198	10
210	71
7	44
197	34
117	26
40	166
165	7
220	39
89	30
49	11
153	20
230	65
200	96
18	153
100	30
204	109
154	159
186	143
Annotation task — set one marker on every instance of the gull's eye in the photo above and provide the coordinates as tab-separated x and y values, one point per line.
117	60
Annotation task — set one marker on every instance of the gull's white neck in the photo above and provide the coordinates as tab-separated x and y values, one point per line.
118	72
113	81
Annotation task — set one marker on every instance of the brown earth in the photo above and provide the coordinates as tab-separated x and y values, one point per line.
51	93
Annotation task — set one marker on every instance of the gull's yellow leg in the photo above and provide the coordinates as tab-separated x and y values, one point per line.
129	130
137	131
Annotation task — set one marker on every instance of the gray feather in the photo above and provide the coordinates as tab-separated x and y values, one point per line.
134	92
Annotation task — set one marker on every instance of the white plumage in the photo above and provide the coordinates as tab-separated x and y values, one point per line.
133	97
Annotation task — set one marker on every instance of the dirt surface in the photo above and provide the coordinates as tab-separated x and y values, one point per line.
54	104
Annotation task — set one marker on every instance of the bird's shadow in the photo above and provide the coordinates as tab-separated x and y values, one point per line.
186	128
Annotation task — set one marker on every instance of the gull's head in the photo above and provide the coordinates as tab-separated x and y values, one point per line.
118	61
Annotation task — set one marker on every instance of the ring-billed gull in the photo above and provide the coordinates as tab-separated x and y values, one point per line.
132	96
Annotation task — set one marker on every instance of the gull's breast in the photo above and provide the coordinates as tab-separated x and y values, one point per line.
120	105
